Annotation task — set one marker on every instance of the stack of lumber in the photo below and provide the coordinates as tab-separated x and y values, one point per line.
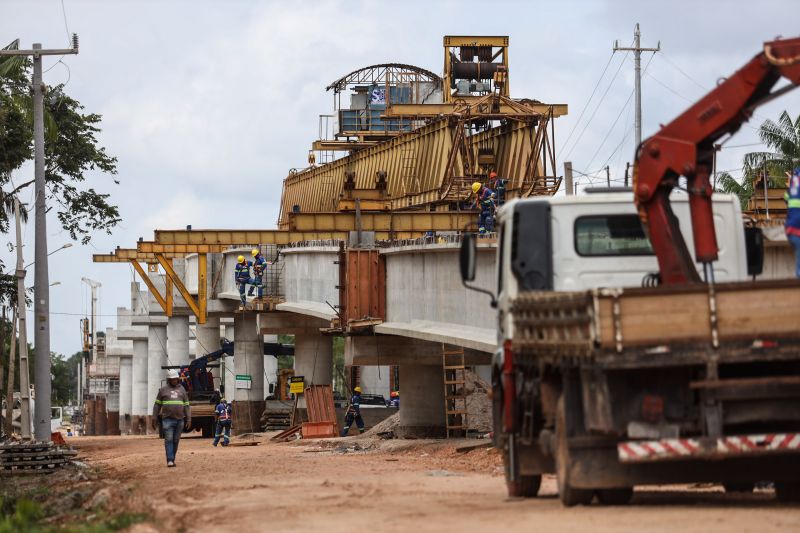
277	415
32	457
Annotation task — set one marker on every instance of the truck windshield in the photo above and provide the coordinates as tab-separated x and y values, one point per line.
602	235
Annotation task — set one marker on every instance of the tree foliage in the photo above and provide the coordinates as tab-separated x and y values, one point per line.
783	138
71	151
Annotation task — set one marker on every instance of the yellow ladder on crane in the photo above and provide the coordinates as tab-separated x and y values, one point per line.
455	393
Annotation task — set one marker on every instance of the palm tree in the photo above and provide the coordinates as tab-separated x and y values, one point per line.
783	138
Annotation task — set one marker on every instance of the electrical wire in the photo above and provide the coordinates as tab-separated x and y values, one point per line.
594	90
597	107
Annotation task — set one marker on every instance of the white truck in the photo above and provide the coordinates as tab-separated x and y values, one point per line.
609	384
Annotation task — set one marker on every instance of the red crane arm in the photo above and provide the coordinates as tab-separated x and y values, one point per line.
684	147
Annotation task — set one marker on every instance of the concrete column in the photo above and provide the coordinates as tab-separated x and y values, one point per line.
178	340
207	336
125	393
422	401
375	380
228	366
313	358
139	405
270	368
249	361
156	358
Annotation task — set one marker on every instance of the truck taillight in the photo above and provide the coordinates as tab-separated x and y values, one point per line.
509	387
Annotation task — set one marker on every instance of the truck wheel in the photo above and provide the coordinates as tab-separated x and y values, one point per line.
615	496
568	494
787	491
739	487
207	431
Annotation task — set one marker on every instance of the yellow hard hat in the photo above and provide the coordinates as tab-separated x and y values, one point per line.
357	389
254	252
240	259
476	187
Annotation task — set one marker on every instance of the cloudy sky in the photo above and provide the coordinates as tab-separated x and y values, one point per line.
207	105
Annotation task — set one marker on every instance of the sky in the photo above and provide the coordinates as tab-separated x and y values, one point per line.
207	105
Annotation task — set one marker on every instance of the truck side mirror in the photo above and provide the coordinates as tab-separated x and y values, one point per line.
754	245
468	257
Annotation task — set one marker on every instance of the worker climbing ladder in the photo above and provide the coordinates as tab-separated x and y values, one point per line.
455	393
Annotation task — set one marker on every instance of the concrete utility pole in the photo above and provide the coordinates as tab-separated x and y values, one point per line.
637	62
568	177
92	333
41	305
24	375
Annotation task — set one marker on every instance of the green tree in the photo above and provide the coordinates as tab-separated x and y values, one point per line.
783	140
71	150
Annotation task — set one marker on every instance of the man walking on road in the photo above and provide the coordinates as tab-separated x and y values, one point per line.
172	409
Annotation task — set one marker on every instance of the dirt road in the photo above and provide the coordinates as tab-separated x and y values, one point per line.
309	486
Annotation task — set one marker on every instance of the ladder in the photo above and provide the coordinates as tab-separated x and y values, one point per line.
455	393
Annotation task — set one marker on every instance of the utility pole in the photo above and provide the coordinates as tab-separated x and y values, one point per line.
627	169
92	332
41	304
637	62
568	177
24	375
608	176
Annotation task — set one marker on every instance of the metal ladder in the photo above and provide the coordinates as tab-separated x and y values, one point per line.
455	394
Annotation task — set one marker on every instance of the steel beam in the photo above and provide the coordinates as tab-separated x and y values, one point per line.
151	287
435	110
341	146
199	240
178	250
409	221
199	309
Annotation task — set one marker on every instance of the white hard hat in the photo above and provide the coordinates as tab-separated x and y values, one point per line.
173	374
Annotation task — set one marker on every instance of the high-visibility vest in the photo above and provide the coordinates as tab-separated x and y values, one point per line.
792	197
242	271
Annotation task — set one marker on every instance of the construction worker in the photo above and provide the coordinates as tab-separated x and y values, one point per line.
792	224
222	414
484	200
394	398
354	413
172	409
498	185
259	265
242	276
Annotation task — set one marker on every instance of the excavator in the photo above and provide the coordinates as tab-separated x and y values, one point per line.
685	147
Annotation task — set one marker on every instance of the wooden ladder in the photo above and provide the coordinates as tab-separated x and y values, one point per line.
455	393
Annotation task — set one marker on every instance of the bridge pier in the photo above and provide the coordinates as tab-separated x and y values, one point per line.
313	358
248	361
422	402
125	393
178	340
139	393
156	358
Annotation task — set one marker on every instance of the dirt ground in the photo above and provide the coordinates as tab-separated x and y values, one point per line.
347	484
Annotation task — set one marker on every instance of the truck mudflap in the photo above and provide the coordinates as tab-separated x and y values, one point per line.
736	446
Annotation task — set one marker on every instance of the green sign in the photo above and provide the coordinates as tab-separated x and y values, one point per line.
243	381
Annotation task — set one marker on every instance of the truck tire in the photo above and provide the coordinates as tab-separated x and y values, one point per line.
568	494
615	496
787	491
739	487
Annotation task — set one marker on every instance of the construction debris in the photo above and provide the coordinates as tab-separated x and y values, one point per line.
33	457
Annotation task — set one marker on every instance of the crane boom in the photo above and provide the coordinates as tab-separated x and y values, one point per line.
685	146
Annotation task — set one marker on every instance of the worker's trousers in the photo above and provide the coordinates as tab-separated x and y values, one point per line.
173	427
348	421
223	432
256	282
243	286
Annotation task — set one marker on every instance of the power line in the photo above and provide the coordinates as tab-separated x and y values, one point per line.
596	85
679	69
597	107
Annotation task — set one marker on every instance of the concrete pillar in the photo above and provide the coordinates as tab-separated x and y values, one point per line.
228	366
139	407
375	380
178	340
313	358
249	361
207	336
270	368
156	358
125	393
421	402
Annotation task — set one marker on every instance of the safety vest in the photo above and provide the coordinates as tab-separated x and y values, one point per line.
485	199
223	411
792	197
242	271
355	404
259	266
